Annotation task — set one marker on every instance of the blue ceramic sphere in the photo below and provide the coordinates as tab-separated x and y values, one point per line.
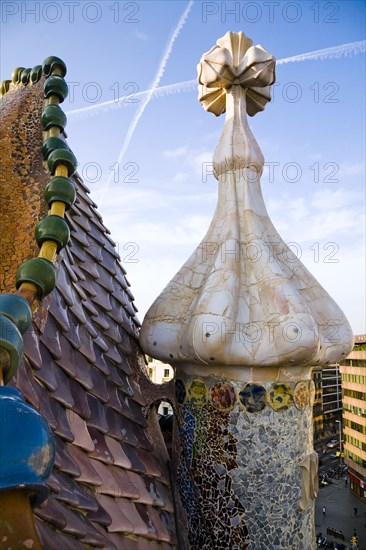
27	447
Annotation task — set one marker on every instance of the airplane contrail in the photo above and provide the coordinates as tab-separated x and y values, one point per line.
344	50
327	53
125	100
155	84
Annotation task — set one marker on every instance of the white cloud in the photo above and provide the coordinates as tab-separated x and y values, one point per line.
315	156
210	137
326	215
201	161
180	176
141	35
124	199
297	209
328	199
174	153
198	159
180	233
352	169
342	273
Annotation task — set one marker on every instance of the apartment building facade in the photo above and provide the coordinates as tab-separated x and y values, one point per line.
318	417
353	372
331	396
159	373
327	410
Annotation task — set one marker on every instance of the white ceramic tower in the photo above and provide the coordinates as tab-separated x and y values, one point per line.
243	322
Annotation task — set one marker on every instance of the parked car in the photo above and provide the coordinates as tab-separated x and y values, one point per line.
332	443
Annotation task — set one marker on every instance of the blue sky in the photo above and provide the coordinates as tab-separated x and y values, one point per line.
159	202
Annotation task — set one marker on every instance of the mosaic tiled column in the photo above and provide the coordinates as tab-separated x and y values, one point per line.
243	322
247	471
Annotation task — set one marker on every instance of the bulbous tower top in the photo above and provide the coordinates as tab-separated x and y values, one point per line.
243	298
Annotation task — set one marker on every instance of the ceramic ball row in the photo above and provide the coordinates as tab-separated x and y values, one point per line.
24	76
53	228
52	233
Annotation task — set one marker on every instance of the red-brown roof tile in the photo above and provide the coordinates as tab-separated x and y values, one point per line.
128	509
119	456
101	451
54	539
72	493
80	431
120	520
64	460
87	474
26	383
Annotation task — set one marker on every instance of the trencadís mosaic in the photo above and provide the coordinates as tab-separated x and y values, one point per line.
251	397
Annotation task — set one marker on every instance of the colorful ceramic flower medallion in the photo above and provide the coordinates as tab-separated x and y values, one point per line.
280	397
223	396
197	393
180	391
253	397
311	392
301	395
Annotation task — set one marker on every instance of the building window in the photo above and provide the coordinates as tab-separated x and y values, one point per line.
166	373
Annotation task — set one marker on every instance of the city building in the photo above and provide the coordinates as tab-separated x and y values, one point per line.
327	410
331	396
159	373
353	371
318	417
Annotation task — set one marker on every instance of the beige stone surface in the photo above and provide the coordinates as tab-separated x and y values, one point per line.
243	298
